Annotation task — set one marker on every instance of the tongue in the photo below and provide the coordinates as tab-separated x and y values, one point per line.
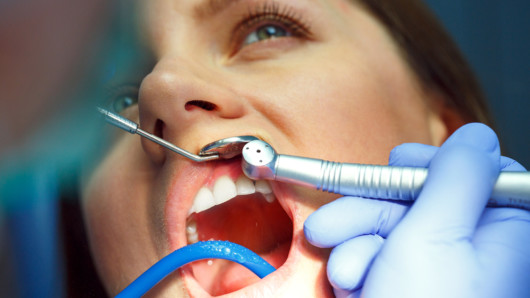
249	221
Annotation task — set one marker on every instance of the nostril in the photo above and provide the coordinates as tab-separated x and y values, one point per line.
205	105
159	128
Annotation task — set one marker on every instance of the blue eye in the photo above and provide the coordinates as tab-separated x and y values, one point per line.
122	97
265	32
267	22
123	102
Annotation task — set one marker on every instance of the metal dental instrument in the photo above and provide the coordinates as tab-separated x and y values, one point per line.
260	161
222	149
227	148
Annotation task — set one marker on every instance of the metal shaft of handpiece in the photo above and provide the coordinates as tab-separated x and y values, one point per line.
512	189
133	128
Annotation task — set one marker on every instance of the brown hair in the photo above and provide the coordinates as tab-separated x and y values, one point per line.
432	55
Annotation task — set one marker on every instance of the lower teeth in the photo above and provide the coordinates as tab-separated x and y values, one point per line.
269	198
191	232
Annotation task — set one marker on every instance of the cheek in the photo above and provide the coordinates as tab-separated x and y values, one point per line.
339	110
114	204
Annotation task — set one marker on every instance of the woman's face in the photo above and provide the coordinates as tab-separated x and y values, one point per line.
316	78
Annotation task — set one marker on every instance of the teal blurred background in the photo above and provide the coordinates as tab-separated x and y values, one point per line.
495	37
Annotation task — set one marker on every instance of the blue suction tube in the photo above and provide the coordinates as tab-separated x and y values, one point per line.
198	251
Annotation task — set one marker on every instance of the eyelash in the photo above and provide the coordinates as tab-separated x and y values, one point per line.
272	12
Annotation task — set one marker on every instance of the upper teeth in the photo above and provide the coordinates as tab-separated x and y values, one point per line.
225	189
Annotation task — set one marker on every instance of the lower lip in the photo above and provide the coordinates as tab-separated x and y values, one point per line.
263	288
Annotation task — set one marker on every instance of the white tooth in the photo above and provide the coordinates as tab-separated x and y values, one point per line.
224	189
193	238
203	200
191	227
263	187
191	232
270	197
245	186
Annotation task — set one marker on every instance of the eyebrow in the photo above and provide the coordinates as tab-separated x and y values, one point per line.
208	8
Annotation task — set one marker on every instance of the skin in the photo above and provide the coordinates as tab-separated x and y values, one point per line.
345	85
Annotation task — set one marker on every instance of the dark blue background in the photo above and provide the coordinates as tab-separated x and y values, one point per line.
495	37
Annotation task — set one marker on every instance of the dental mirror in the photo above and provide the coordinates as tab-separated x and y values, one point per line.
221	149
227	148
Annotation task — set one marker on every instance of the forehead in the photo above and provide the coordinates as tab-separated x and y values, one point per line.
201	10
204	8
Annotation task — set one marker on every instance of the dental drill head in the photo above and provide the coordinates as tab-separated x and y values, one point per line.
259	160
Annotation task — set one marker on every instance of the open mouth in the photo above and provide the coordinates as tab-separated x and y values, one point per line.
242	211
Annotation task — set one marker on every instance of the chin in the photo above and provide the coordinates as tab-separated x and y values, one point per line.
215	201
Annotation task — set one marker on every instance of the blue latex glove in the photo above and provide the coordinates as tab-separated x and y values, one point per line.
446	245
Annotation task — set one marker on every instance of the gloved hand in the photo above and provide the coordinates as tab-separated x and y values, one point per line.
446	245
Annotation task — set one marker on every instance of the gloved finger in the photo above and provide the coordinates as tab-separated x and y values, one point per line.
350	261
420	155
349	217
510	165
507	226
347	294
459	184
412	155
503	238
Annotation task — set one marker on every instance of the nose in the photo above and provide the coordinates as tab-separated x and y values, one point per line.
180	99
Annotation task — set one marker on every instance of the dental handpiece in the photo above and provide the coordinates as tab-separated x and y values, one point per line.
260	161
